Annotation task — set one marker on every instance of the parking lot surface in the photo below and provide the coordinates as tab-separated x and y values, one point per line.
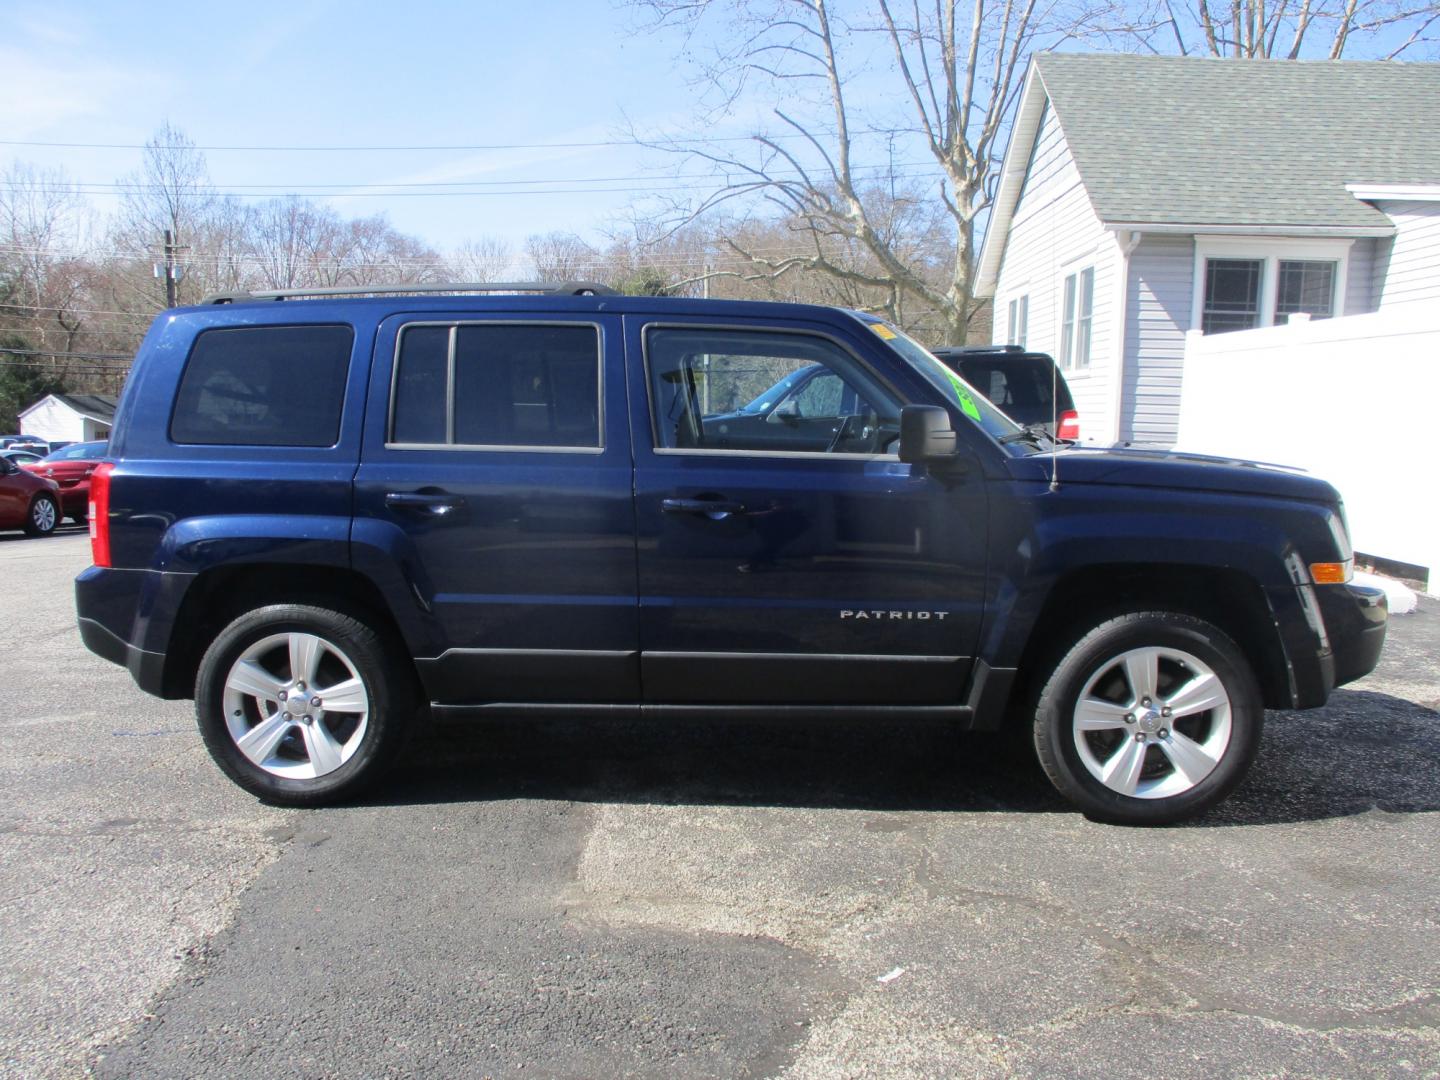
708	899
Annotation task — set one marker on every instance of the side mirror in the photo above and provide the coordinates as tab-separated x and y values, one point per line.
787	412
925	434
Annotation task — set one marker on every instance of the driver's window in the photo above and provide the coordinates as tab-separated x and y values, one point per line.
821	396
758	390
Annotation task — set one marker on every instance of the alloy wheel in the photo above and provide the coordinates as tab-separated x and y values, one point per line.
295	705
1153	722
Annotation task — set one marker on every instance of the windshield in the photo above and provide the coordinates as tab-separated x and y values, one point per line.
775	393
91	451
973	404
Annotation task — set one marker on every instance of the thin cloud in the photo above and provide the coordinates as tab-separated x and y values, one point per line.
42	92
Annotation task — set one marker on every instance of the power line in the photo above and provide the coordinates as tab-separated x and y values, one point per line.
439	147
346	191
901	168
339	262
67	355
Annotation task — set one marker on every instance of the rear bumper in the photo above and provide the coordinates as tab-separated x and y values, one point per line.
119	615
146	668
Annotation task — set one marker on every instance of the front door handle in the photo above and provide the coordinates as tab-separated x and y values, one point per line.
432	505
715	509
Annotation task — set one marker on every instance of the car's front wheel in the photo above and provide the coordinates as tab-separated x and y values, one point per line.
302	705
1148	718
43	515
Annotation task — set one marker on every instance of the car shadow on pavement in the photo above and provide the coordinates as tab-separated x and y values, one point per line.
1364	750
66	528
846	763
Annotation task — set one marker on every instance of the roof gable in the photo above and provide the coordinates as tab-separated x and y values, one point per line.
99	407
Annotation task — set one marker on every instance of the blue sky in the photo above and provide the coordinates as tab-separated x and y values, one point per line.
531	76
327	73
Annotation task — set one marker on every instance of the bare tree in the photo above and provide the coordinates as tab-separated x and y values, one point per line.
825	164
284	242
485	259
1281	29
561	256
41	259
378	252
170	192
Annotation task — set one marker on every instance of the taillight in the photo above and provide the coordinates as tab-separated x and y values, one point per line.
99	511
1069	426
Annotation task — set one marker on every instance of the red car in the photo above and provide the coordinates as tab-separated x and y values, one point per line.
27	501
70	468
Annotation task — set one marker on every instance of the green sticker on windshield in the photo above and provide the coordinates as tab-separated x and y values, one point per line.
962	394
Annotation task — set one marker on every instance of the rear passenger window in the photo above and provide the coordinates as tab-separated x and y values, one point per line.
497	385
264	386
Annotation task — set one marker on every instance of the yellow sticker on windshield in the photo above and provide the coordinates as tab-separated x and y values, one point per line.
884	331
962	395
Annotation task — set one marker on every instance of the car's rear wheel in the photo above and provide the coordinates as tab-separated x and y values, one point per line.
1149	718
302	705
43	515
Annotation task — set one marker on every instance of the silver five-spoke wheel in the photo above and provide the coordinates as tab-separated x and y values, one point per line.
295	705
1148	717
1152	722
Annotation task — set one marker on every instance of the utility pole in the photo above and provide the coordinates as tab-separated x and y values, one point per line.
171	270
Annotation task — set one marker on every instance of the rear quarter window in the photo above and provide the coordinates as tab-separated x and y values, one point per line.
264	386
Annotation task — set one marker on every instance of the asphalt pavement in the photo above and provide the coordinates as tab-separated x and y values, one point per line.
720	899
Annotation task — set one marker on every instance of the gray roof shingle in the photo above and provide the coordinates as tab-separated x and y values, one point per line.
1188	140
100	406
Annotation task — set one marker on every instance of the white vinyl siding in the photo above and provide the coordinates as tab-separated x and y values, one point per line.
1361	286
1157	314
1054	233
1407	266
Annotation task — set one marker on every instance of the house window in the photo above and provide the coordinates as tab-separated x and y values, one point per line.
1238	287
1076	318
1019	320
1232	295
1305	286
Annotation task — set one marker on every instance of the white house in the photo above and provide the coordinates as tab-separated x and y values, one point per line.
69	417
1142	197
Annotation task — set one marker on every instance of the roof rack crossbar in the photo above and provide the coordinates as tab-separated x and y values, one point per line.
550	288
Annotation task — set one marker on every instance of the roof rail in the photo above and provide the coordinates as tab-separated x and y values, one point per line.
982	350
552	288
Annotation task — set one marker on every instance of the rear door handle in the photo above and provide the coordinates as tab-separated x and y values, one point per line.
711	508
420	503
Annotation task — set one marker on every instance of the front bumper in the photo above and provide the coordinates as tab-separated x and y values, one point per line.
1331	635
1355	620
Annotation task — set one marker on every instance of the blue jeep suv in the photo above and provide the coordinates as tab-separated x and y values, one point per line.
323	515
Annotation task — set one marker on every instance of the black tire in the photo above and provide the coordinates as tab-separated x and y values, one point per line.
1183	647
388	681
43	516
